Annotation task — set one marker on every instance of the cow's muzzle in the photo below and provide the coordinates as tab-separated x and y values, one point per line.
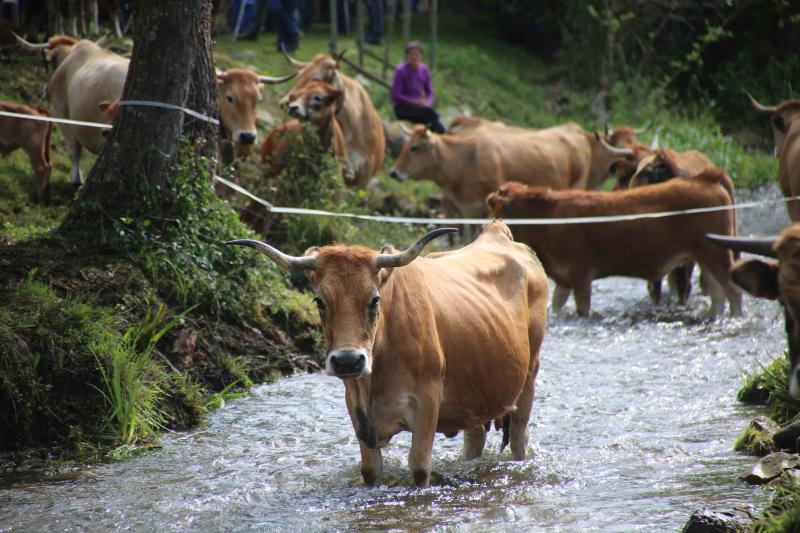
296	110
246	137
347	363
397	175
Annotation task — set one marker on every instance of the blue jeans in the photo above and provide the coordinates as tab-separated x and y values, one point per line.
283	11
375	14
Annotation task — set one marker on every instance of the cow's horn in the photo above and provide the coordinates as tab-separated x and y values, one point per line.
339	57
405	129
220	74
646	127
751	245
103	41
758	106
31	47
286	261
293	62
654	142
272	81
411	253
622	152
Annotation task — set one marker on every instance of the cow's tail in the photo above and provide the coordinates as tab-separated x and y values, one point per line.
506	434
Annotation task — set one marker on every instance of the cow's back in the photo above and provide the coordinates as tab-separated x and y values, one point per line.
489	300
88	76
19	132
363	131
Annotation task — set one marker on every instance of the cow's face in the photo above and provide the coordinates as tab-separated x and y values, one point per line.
503	201
323	68
779	280
109	109
239	93
315	102
346	290
782	120
418	159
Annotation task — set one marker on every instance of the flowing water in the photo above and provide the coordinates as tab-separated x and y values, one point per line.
632	428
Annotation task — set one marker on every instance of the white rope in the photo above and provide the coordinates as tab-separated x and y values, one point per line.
56	120
145	103
510	221
140	103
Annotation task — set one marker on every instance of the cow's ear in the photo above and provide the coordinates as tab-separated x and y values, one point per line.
778	123
104	105
759	278
312	274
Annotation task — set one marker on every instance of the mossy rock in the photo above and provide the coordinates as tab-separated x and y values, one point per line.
771	467
757	438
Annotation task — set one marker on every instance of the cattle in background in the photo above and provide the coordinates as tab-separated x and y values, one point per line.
360	122
785	118
665	164
463	124
625	137
54	51
575	254
469	167
238	94
438	344
775	281
33	137
317	105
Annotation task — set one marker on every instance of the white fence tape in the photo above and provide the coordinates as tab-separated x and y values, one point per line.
56	120
407	220
510	221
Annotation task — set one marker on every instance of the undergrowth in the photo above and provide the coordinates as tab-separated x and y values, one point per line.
769	387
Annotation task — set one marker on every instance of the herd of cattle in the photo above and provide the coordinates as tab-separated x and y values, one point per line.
485	304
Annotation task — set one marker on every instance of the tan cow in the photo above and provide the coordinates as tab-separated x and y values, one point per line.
438	344
33	137
317	104
469	167
463	124
786	130
360	122
238	93
575	254
775	281
55	50
87	76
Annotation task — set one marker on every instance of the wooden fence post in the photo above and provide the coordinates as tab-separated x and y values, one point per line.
334	26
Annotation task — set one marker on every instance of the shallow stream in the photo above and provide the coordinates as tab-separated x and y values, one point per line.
632	428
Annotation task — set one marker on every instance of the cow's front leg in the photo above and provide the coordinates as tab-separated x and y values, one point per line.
371	458
474	441
423	430
371	464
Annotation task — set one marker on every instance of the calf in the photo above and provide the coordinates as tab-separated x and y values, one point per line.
32	136
575	254
774	280
429	345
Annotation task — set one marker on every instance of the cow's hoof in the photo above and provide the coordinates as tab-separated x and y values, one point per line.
421	478
370	478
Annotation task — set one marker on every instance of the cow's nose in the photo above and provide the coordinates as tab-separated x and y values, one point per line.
347	362
247	138
295	110
396	175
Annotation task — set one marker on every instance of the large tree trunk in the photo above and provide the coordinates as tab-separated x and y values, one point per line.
172	62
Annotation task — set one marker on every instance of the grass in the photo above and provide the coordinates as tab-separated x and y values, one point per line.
769	387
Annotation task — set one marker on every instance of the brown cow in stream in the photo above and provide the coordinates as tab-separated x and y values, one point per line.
431	344
774	280
786	131
575	254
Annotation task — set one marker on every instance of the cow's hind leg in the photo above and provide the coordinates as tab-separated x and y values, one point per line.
654	291
560	297
474	442
519	432
717	262
582	289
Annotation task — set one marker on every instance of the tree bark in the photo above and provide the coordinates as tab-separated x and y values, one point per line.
172	62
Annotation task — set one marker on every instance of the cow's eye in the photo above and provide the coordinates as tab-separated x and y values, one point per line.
320	303
414	148
230	98
373	305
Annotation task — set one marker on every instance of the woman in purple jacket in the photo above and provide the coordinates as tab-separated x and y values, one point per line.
412	93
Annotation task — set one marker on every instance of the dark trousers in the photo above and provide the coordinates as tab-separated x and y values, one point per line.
420	114
282	12
375	27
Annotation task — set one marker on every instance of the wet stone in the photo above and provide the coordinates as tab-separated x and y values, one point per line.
757	438
707	521
787	437
770	467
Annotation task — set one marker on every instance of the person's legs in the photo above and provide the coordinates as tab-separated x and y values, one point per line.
375	14
285	24
420	114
